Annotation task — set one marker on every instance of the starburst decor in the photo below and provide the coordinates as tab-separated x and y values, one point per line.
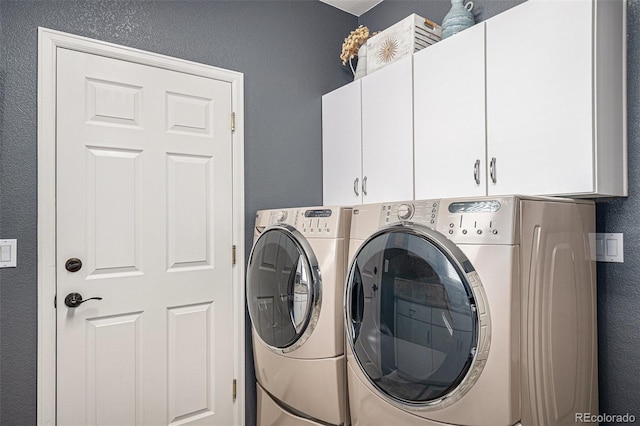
388	50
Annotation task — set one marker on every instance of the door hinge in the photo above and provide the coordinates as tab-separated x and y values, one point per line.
55	301
233	254
233	391
233	121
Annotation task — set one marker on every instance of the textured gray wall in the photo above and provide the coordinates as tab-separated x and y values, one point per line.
391	11
289	54
618	284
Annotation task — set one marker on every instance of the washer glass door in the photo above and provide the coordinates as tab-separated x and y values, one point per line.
411	315
282	288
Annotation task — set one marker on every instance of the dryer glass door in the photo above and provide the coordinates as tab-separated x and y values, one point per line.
282	283
411	318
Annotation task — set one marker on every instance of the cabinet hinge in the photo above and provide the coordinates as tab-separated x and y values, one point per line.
233	121
233	390
233	254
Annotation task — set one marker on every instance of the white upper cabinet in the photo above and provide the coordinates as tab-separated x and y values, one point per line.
449	117
555	93
531	101
387	133
341	146
367	138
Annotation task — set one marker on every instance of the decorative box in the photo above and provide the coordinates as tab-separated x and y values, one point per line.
411	34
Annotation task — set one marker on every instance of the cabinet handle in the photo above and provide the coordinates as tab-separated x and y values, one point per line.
476	172
364	185
355	186
430	24
492	169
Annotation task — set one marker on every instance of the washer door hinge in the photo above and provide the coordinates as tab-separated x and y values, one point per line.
233	254
233	121
233	390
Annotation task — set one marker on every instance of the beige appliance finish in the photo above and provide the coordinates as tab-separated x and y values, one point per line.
530	261
295	287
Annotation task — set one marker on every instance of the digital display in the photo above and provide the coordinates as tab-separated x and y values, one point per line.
475	207
318	213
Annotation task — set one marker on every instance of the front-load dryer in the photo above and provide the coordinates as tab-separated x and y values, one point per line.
477	312
295	286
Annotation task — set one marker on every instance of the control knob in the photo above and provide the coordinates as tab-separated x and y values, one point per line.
405	211
281	216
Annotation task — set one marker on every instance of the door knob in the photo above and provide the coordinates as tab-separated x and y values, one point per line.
73	265
73	300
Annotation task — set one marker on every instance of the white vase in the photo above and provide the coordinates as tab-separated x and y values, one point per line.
361	68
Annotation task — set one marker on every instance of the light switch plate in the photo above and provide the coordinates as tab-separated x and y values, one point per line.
8	253
610	247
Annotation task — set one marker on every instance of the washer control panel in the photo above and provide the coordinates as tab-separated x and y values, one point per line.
476	220
315	221
310	221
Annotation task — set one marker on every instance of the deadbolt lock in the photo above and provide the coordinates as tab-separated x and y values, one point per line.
73	265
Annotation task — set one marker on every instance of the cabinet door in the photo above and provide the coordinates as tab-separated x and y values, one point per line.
341	146
387	133
539	98
449	117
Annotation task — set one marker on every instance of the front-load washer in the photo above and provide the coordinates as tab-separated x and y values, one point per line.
478	311
295	286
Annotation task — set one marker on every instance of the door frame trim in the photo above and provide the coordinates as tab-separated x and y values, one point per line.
48	43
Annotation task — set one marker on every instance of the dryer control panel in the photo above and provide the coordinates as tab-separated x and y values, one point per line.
482	220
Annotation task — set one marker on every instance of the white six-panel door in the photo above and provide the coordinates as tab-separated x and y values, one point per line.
144	197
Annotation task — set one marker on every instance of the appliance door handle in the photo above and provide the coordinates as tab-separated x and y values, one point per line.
290	293
492	169
355	187
357	304
364	185
476	172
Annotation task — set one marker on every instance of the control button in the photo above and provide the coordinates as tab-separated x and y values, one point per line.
435	204
434	210
432	221
405	211
450	231
327	229
433	215
479	231
451	225
494	231
464	231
